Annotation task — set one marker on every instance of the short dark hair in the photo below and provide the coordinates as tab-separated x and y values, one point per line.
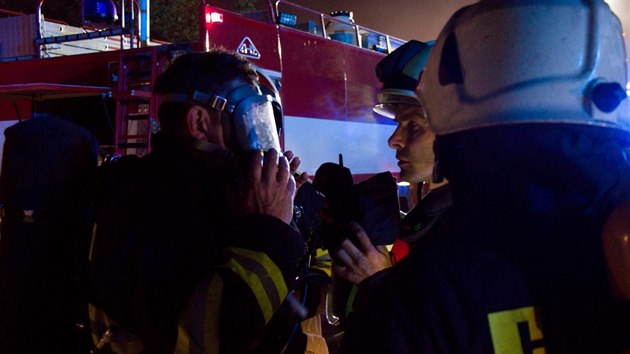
206	72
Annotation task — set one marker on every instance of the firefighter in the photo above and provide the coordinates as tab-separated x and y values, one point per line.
400	73
528	103
192	250
45	232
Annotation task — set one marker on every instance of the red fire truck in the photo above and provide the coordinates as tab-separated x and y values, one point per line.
322	65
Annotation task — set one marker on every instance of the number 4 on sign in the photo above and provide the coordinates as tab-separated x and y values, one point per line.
248	49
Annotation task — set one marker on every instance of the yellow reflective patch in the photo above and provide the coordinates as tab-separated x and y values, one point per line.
201	337
322	261
506	336
273	272
211	320
95	316
182	345
322	253
262	276
256	286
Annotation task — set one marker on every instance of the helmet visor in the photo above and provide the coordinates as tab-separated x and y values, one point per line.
389	99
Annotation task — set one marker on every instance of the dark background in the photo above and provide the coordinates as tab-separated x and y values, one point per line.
175	20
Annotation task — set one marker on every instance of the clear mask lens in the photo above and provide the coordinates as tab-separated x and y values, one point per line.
255	125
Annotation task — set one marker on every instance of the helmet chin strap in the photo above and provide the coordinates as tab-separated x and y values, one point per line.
229	131
437	176
205	145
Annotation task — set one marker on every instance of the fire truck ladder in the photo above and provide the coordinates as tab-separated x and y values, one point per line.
136	109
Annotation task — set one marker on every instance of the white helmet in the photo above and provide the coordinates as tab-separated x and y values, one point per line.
503	62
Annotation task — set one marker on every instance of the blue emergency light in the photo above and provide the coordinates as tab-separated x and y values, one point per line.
287	19
99	11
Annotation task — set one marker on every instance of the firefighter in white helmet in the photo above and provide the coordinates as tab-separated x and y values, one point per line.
528	103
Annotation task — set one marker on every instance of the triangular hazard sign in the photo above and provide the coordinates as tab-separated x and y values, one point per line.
248	49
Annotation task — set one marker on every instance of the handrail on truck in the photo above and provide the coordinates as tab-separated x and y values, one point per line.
391	42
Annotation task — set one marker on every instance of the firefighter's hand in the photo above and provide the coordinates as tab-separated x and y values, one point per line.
271	188
294	163
356	264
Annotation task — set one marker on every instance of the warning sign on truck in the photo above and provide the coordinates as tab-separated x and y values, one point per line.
248	49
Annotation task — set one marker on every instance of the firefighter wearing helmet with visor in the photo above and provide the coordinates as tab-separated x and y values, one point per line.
193	250
528	103
400	72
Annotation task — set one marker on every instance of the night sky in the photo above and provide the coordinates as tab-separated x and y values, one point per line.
416	19
406	19
423	19
410	19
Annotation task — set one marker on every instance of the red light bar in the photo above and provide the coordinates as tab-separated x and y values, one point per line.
213	17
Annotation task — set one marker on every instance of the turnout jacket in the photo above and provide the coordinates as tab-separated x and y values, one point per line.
44	234
171	250
418	221
516	264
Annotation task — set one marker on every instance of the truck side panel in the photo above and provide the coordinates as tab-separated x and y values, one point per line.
86	70
255	39
328	89
313	74
89	70
328	92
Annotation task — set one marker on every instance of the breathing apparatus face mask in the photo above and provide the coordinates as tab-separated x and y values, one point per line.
252	120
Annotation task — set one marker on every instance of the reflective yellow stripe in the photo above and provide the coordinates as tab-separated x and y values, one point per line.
182	345
505	333
273	271
95	316
211	320
261	275
322	261
198	330
258	289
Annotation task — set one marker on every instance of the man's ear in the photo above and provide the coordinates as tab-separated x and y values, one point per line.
197	120
206	125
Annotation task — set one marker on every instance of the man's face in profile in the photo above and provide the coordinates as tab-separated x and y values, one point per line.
413	144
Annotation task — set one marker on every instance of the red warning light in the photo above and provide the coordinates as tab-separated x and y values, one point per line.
213	16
